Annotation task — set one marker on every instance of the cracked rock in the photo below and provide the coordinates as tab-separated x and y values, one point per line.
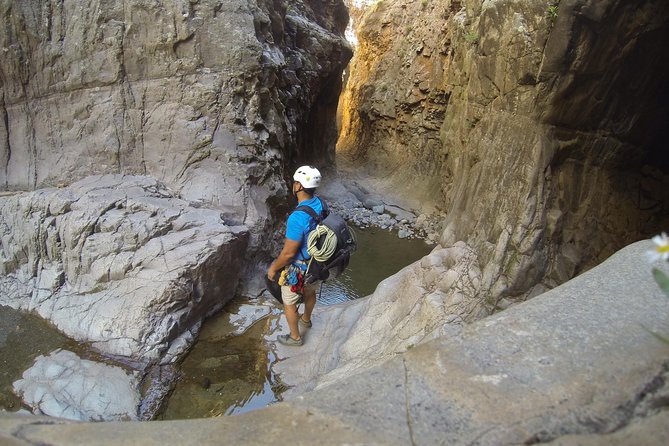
66	386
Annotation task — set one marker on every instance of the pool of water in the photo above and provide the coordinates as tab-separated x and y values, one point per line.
380	254
229	370
23	337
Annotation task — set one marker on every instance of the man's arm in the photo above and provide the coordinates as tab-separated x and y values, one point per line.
290	248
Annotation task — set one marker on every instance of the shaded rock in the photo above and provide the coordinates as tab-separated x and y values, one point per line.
204	96
66	386
490	111
213	99
400	213
117	261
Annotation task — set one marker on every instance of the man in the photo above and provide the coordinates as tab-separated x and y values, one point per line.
295	257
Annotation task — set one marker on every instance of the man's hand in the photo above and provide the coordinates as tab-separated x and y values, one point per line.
290	248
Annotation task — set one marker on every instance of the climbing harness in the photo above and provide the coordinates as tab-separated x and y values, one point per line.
292	276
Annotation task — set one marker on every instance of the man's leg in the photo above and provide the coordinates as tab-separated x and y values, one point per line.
291	317
309	302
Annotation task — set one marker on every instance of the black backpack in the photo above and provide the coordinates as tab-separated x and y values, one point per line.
346	245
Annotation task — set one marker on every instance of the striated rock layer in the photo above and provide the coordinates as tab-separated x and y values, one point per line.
213	99
536	127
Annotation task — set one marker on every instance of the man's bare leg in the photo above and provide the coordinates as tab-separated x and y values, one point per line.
291	317
309	303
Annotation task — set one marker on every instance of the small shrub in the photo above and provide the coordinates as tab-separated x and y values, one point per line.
552	13
472	37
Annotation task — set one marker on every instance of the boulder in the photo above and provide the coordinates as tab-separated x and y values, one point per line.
65	386
118	262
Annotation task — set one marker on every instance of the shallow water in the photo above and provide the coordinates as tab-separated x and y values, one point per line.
229	369
380	254
23	337
227	372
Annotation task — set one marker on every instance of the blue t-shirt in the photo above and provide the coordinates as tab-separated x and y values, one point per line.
300	224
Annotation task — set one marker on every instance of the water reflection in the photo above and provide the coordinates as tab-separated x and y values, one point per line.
23	337
380	254
227	372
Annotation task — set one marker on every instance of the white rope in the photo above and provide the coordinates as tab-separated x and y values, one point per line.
329	243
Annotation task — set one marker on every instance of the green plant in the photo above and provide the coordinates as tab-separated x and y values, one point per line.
552	12
472	37
661	252
662	280
424	3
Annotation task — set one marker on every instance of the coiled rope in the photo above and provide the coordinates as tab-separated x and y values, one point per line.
329	243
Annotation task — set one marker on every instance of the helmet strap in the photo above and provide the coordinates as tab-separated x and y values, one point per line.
295	192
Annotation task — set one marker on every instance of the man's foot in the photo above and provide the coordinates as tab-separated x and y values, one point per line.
303	323
287	340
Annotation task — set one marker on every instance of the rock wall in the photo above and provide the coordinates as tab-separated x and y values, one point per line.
534	126
147	143
213	99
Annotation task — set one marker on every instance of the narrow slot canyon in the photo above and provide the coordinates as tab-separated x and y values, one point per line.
503	165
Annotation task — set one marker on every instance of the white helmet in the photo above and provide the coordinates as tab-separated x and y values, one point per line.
308	176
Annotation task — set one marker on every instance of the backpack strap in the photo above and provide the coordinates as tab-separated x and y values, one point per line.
317	218
309	210
325	212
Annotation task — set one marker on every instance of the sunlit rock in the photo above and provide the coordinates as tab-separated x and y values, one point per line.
535	126
65	386
118	262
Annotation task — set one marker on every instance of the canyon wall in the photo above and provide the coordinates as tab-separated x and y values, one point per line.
144	147
213	99
535	126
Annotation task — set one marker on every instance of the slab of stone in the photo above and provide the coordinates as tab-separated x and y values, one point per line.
576	365
432	297
65	386
579	359
117	261
399	213
274	425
